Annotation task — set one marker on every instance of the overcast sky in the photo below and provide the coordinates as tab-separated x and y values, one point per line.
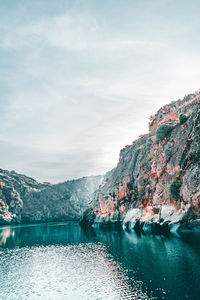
79	79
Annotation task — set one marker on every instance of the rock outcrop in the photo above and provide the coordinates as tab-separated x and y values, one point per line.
24	200
156	184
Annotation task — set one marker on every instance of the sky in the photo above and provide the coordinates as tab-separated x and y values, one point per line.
80	78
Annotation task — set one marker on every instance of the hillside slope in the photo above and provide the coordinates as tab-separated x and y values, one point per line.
24	200
156	184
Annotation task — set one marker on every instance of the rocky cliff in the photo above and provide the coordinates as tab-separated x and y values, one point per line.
24	200
156	184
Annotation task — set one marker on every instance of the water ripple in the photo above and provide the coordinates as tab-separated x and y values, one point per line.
79	271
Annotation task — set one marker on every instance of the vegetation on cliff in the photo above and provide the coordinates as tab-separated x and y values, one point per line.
159	173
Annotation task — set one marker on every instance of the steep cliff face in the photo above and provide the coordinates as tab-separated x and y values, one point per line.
22	199
157	179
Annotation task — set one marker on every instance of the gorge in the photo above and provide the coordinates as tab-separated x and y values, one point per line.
156	184
24	200
151	203
154	188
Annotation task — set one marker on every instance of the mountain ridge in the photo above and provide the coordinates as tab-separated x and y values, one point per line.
24	200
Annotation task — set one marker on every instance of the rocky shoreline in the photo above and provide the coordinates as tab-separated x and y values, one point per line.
135	221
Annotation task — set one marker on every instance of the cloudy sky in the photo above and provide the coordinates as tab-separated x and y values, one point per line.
80	78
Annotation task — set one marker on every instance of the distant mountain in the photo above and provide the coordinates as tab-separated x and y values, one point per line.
156	184
24	200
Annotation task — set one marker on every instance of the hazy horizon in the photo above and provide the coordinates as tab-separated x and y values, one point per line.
79	79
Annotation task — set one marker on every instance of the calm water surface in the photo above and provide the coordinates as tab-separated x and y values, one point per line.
62	261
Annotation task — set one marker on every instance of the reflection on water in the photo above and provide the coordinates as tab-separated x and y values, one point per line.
63	261
5	235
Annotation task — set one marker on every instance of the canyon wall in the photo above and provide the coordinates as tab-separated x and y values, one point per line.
156	184
24	200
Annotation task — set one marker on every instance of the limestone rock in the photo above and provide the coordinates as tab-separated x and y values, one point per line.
157	178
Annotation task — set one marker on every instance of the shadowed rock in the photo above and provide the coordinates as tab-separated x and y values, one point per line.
24	200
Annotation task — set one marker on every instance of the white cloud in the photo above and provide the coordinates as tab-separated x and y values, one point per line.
80	85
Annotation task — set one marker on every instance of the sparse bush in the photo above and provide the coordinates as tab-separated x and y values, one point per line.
142	193
130	185
162	132
168	152
174	189
182	118
135	194
188	97
195	154
197	134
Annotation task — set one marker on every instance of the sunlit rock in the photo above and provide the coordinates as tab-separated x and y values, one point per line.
156	183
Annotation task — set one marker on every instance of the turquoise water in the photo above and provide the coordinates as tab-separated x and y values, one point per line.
63	261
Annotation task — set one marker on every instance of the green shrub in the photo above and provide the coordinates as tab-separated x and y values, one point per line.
168	152
174	189
195	154
188	97
162	132
142	193
197	134
135	193
182	118
130	186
